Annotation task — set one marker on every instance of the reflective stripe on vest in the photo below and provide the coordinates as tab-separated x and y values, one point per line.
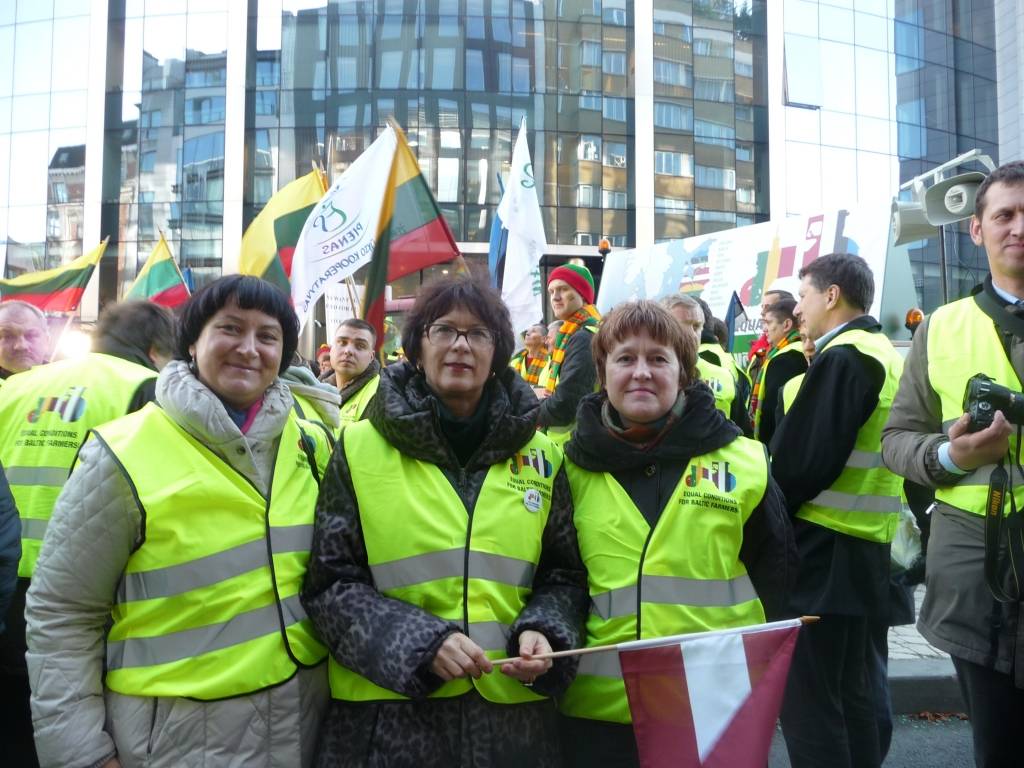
45	414
208	606
683	576
950	365
352	409
483	582
761	404
864	501
721	382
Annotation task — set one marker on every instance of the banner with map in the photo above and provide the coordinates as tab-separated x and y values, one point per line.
748	260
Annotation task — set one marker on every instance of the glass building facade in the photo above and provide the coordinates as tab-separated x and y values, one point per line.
647	120
871	94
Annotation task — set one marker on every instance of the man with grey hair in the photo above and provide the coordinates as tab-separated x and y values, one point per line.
24	337
688	311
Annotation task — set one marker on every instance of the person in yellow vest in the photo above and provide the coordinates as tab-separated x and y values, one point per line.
571	375
929	440
45	414
532	359
356	368
679	522
826	458
443	540
541	390
164	622
24	337
783	361
723	384
714	336
313	400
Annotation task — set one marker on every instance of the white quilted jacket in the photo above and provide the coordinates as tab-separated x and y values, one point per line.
94	528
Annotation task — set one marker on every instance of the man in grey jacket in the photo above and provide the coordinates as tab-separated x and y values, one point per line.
927	440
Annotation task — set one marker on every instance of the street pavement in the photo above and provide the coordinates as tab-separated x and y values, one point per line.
916	743
921	677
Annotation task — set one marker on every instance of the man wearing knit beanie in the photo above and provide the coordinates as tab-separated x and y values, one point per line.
579	279
572	375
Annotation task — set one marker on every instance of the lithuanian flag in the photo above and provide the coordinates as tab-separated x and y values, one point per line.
269	242
412	233
55	290
160	280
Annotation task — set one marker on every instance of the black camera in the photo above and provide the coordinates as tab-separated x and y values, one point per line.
983	397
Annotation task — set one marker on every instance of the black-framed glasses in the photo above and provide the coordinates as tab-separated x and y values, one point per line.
441	335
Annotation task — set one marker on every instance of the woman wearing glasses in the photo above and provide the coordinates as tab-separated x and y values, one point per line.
444	539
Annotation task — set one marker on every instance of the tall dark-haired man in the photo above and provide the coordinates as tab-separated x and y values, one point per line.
356	368
45	414
927	440
826	458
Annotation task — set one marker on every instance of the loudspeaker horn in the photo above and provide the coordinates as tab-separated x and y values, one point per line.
952	199
909	223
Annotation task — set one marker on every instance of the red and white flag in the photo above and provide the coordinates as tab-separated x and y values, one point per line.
708	700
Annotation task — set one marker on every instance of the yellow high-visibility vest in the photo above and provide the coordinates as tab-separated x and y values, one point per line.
208	606
683	576
352	410
864	501
951	362
721	382
45	414
473	569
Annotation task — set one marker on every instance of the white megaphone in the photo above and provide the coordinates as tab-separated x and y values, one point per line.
952	199
909	223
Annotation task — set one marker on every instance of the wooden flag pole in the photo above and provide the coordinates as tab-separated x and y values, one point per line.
618	646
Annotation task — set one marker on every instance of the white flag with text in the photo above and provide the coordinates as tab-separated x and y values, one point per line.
341	231
519	211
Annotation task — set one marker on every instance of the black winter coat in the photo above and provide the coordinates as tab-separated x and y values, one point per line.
10	546
392	643
576	380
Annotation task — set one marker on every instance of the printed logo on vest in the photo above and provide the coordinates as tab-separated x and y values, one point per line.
535	459
713	384
718	474
70	406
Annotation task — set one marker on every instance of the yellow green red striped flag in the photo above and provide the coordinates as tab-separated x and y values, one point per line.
269	241
55	290
160	280
412	235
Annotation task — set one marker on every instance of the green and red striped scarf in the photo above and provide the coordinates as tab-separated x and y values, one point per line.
758	383
582	317
529	368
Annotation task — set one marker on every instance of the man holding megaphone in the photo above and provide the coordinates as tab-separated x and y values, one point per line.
959	432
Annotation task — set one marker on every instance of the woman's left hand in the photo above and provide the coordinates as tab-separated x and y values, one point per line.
527	669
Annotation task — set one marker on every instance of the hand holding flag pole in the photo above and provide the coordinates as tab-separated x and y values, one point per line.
653	642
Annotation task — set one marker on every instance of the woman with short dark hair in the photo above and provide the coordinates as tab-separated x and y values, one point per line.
181	640
680	525
443	540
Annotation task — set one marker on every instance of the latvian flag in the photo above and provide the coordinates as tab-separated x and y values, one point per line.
54	290
708	700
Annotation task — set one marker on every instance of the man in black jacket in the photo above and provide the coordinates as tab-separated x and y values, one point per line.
845	507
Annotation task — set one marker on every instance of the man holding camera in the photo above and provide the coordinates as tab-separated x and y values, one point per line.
972	606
